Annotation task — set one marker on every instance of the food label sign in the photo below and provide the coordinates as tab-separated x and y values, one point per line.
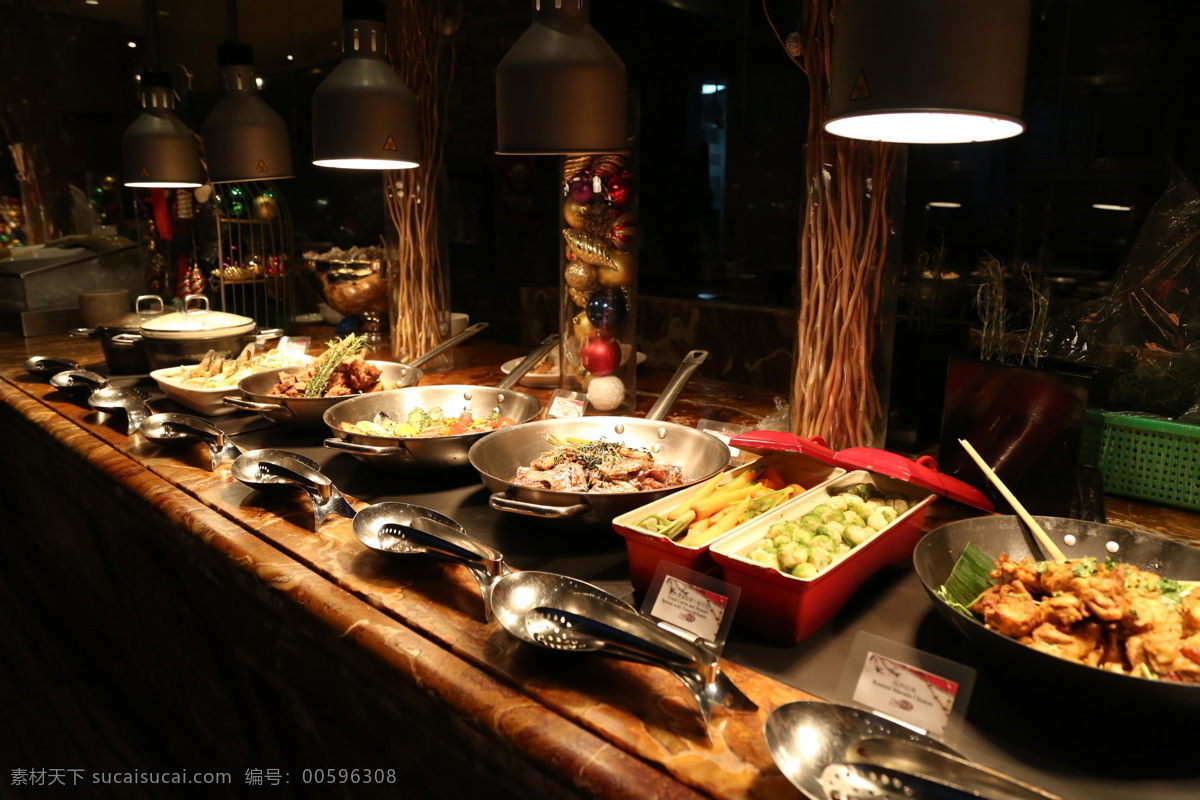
696	610
906	693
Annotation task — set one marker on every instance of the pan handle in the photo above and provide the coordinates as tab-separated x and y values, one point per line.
530	361
370	449
501	501
250	405
691	362
446	345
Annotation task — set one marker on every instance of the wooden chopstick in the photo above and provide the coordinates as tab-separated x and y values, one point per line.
1041	535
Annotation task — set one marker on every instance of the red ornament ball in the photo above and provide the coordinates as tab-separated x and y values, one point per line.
619	187
600	355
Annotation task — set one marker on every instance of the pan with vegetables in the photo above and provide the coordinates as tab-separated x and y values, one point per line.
430	426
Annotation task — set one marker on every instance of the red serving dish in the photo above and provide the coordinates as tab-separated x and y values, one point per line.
646	550
787	609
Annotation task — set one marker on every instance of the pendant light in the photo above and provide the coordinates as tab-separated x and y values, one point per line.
158	151
928	71
244	138
561	89
364	117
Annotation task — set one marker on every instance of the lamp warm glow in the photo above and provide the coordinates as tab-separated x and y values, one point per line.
244	139
561	89
158	150
364	117
928	71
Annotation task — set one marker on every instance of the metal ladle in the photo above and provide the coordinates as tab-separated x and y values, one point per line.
404	529
174	428
78	382
270	469
46	366
131	401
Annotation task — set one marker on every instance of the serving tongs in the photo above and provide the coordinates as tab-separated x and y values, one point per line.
174	428
270	469
78	382
46	366
406	529
561	613
124	399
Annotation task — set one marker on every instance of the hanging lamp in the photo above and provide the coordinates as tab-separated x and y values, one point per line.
561	89
364	117
928	71
244	138
158	151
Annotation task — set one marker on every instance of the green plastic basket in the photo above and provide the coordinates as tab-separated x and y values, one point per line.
1149	459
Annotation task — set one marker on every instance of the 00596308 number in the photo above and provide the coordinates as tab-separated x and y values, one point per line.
330	775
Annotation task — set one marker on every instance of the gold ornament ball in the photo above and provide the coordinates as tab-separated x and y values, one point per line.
574	212
582	326
266	207
580	276
622	272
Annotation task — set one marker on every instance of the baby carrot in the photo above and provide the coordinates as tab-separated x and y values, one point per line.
701	493
723	499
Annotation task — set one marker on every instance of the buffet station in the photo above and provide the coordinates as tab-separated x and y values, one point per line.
304	561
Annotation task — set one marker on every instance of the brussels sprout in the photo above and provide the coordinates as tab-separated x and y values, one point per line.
853	500
853	518
857	534
840	548
820	557
792	554
805	570
778	529
810	521
781	540
900	504
832	529
819	510
838	503
830	515
877	521
803	536
761	556
863	490
888	513
822	540
869	507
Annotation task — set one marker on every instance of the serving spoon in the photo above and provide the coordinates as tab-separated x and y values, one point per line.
46	366
273	469
171	428
78	381
131	401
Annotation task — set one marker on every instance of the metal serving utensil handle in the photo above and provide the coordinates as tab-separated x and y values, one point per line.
334	443
134	414
434	537
530	361
309	480
250	405
501	501
462	336
691	362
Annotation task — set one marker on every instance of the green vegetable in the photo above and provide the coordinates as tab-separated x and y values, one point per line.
792	554
340	350
969	579
810	522
805	570
1084	567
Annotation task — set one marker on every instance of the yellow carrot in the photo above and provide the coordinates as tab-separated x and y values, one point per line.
713	504
701	493
725	525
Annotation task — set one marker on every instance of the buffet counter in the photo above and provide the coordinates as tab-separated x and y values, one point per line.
159	616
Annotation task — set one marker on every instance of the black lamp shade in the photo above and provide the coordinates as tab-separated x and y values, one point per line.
561	88
244	139
928	71
364	117
158	150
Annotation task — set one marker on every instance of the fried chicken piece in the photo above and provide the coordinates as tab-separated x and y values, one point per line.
1025	571
1008	612
1082	643
1146	613
1064	610
1103	594
1057	577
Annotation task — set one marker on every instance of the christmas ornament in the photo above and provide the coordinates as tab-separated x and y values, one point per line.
607	308
589	248
237	202
266	206
606	393
623	231
619	187
622	272
581	276
582	326
580	187
574	212
600	354
578	298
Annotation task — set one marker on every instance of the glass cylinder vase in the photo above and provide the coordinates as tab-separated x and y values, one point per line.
847	282
598	285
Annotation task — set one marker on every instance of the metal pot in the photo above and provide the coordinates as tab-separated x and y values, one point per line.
497	456
124	356
185	337
434	451
308	412
1070	684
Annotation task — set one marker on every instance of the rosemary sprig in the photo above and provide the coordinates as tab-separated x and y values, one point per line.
338	352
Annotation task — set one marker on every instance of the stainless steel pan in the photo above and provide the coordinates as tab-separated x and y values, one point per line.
437	451
497	456
1067	681
306	412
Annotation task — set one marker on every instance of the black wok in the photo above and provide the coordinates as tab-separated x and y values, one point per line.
433	451
496	456
938	551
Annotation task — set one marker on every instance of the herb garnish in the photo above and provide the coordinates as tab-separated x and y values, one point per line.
338	352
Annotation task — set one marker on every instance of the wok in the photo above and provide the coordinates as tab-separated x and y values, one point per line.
434	451
496	456
938	551
306	412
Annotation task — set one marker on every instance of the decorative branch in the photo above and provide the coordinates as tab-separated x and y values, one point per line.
422	34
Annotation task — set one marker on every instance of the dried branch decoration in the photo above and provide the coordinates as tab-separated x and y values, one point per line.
422	34
843	252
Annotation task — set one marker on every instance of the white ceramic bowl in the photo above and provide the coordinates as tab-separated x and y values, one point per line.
209	402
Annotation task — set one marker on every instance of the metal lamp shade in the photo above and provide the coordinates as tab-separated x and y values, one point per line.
244	138
561	89
158	150
928	71
364	117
